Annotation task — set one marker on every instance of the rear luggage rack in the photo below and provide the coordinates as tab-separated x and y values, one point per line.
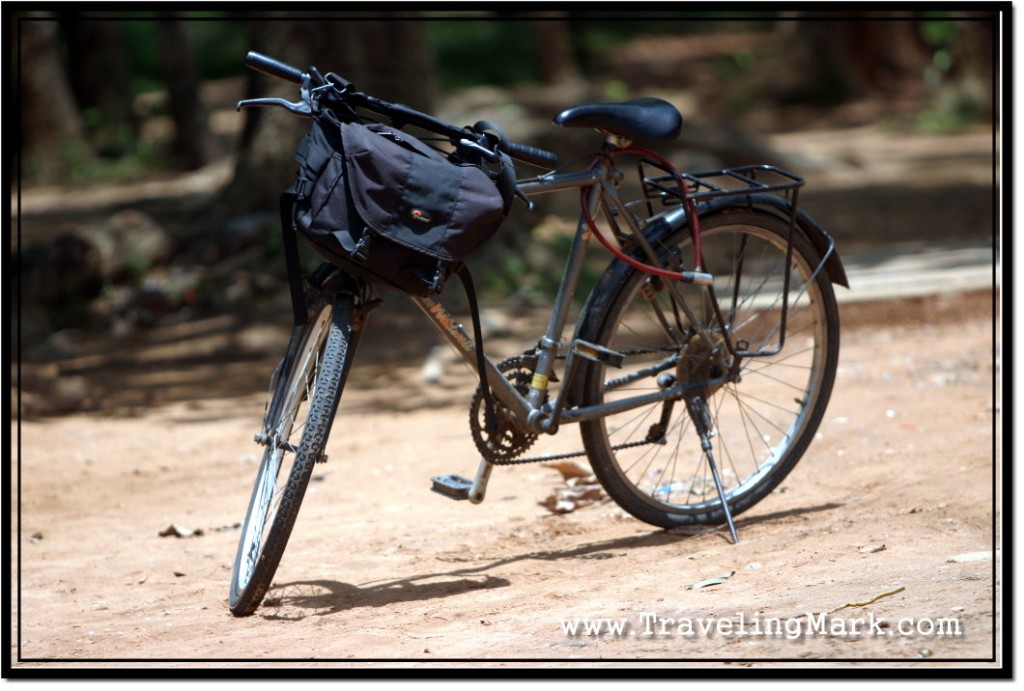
727	182
662	186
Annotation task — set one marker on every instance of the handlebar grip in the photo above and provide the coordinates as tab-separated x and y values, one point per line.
274	68
530	154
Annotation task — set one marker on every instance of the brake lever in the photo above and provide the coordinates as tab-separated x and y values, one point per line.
483	150
301	108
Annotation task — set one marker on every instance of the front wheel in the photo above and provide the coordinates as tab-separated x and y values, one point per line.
304	399
763	410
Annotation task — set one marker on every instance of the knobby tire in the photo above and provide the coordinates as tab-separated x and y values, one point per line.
333	360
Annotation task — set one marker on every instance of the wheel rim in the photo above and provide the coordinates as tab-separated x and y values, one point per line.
284	432
759	419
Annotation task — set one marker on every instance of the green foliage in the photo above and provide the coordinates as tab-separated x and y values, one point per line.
601	34
827	87
141	42
135	269
81	166
474	52
530	269
616	91
273	244
954	109
111	136
220	45
219	41
938	33
957	104
736	71
71	312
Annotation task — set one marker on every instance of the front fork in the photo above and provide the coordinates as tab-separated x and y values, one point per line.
327	282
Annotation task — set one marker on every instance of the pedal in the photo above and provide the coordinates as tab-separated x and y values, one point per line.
596	353
452	486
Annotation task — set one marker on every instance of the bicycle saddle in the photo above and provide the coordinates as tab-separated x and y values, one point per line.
645	120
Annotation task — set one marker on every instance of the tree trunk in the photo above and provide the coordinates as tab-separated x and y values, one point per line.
192	142
389	58
884	51
49	123
829	61
102	82
556	60
266	163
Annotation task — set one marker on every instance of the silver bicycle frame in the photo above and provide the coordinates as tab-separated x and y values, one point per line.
535	411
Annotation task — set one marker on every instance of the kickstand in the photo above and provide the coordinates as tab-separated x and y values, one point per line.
701	417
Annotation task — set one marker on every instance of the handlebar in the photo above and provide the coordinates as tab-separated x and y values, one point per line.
530	154
399	115
274	68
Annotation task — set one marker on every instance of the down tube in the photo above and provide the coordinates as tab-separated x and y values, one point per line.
453	332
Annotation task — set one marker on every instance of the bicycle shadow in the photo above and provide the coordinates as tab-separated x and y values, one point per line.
326	597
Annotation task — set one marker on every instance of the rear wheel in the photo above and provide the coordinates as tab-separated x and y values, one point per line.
302	405
764	411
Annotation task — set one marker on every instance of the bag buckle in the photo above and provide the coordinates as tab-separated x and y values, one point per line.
361	250
438	283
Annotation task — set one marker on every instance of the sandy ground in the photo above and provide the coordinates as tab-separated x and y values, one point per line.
889	524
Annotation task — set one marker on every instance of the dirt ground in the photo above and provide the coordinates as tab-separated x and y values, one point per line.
889	524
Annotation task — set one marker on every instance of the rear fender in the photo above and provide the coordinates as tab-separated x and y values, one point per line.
821	240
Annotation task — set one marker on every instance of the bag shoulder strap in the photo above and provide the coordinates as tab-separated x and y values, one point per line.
490	419
291	257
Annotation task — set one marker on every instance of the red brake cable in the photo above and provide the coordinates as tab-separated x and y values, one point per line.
691	211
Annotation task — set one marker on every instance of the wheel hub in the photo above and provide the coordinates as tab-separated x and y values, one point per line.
701	361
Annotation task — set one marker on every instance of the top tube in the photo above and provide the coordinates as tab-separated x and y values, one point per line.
553	182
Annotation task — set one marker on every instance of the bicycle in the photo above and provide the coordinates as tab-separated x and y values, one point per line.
701	363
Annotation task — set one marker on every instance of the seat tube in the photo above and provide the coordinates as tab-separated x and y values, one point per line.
551	345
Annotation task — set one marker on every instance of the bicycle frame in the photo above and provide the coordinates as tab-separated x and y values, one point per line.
656	343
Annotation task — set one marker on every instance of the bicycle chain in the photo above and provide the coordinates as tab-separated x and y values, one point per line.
563	456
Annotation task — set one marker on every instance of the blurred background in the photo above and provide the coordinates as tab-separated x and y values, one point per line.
144	209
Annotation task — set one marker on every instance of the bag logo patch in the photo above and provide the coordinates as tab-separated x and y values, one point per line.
420	216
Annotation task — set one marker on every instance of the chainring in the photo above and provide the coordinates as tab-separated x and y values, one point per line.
507	441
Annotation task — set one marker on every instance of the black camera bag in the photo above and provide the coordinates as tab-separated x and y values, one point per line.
387	207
